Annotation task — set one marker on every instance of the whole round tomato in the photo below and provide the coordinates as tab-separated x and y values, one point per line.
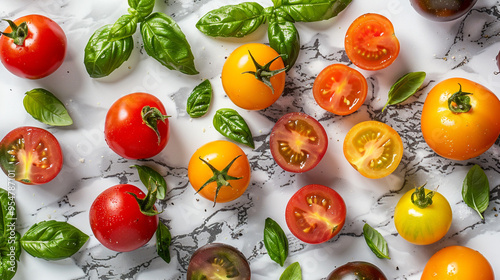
219	171
457	263
298	142
442	10
137	126
117	221
315	213
373	148
357	270
31	155
253	84
218	261
34	49
340	89
370	42
460	119
422	216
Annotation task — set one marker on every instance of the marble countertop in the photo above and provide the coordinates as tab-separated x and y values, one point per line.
462	48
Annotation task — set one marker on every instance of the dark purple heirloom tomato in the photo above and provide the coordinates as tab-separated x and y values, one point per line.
357	271
442	10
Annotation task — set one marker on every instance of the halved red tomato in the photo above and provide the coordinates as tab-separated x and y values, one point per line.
370	42
298	142
373	148
315	213
340	89
31	155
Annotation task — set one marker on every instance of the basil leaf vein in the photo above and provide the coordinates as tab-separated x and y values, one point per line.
376	242
152	180
142	8
232	125
292	272
404	88
476	190
124	27
44	106
311	10
275	241
284	39
199	100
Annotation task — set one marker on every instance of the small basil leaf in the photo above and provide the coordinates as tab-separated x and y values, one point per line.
232	20
142	8
164	41
376	242
199	100
163	239
102	57
44	106
275	241
284	39
476	190
10	247
124	27
311	10
9	212
53	240
405	87
230	124
152	180
292	272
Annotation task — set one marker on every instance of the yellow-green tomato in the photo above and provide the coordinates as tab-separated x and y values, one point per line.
422	216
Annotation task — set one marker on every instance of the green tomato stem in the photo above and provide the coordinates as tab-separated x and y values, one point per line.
18	34
459	102
420	199
264	73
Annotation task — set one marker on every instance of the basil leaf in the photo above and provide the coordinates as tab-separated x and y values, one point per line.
476	190
405	87
163	239
376	242
230	124
102	57
124	27
284	39
275	241
199	100
53	240
44	106
9	212
232	20
292	272
10	252
164	41
311	10
152	180
142	8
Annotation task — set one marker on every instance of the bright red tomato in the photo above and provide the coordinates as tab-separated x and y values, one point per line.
315	214
340	89
116	219
37	47
298	142
370	42
31	155
130	126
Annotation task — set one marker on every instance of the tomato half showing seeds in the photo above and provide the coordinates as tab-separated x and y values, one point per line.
31	155
315	213
35	48
340	89
373	148
460	119
357	270
457	262
370	42
136	126
117	221
298	142
218	261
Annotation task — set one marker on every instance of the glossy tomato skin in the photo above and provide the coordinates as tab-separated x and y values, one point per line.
370	42
31	155
457	263
42	52
127	134
219	154
117	222
442	10
298	142
243	88
315	213
340	89
460	136
357	270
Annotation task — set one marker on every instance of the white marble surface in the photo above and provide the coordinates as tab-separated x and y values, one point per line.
462	48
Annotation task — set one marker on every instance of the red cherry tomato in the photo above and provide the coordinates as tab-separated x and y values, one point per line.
127	131
116	219
37	50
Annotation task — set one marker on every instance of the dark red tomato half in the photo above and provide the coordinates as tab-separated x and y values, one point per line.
315	213
357	271
442	10
31	155
35	51
117	221
130	126
298	142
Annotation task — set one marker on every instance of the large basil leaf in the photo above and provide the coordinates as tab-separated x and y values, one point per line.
311	10
275	241
284	39
376	242
124	27
10	251
232	125
232	20
292	272
164	41
142	8
199	100
152	180
44	106
476	190
53	240
9	212
102	56
163	239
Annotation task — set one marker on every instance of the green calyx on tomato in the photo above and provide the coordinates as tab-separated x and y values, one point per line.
19	32
264	73
156	186
459	102
151	116
420	199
